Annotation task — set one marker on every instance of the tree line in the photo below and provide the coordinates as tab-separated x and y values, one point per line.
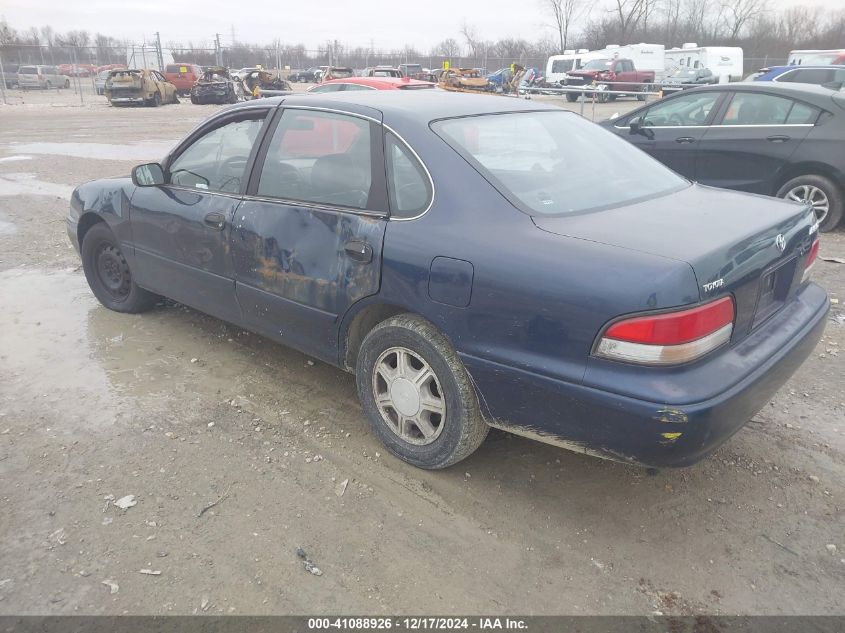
571	24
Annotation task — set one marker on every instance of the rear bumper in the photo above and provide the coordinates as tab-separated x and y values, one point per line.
127	100
639	430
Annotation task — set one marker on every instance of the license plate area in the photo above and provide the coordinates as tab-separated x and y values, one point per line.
775	285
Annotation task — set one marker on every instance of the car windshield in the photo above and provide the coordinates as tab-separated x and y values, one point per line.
597	64
553	163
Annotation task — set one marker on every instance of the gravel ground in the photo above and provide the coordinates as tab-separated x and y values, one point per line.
238	452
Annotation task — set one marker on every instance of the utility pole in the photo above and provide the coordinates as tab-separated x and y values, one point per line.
158	53
218	51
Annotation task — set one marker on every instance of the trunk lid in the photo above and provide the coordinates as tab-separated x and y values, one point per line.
729	239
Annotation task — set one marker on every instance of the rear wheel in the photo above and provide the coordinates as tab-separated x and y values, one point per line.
233	96
48	85
156	100
820	192
572	97
643	89
108	273
417	393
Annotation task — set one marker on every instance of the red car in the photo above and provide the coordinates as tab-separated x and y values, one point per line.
371	83
183	76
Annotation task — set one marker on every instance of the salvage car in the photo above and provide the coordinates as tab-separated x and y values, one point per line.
778	139
261	83
214	86
304	76
470	261
183	76
139	87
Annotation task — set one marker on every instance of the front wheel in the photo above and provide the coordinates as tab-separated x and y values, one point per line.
819	192
108	273
643	89
156	100
572	97
417	394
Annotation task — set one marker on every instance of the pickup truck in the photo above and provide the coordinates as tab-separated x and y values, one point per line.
609	74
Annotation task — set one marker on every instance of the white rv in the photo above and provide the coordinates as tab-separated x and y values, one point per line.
644	56
559	65
722	61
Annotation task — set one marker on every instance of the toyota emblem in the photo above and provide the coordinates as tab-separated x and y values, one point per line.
780	242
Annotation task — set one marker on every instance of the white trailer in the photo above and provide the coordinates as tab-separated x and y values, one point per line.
722	61
817	57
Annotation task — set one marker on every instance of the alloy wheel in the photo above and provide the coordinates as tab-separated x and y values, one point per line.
408	396
813	196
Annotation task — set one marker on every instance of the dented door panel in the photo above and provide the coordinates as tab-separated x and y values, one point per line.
294	274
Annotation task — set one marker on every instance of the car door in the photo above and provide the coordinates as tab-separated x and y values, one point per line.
674	126
752	140
181	229
307	239
625	75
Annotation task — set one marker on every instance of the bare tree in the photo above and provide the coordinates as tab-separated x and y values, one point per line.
564	12
471	38
738	13
628	14
448	48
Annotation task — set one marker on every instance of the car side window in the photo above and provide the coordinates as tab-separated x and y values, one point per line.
328	88
217	160
807	76
356	87
408	185
802	113
319	157
754	108
684	111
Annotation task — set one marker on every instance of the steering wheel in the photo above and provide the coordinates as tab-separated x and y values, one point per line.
675	119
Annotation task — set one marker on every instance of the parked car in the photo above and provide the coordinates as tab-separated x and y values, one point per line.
139	87
370	83
380	71
613	74
303	76
41	77
183	76
684	78
100	81
801	74
214	86
10	75
781	140
472	262
77	70
238	75
414	71
336	72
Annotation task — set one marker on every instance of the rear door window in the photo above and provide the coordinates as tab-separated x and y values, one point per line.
754	108
319	157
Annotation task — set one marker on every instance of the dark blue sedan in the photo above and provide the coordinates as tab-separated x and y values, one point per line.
476	261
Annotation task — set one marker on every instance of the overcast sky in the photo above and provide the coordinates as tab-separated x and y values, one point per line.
353	22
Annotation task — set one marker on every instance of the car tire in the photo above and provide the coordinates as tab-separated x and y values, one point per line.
819	191
644	88
67	84
108	273
156	100
48	85
572	97
194	100
175	99
233	96
443	433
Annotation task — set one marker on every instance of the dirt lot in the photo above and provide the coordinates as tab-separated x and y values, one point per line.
182	411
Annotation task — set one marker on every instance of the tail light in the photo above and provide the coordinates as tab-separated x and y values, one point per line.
669	338
811	259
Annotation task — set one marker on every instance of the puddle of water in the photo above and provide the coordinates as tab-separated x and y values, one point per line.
7	228
150	150
25	184
12	159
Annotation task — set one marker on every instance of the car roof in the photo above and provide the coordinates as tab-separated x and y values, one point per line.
793	89
421	106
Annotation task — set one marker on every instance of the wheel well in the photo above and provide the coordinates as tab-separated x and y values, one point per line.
361	325
808	169
86	222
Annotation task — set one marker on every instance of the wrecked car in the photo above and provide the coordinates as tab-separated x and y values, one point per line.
214	86
469	261
465	80
263	83
139	87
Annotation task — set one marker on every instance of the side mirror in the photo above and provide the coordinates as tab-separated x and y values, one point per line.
638	126
148	175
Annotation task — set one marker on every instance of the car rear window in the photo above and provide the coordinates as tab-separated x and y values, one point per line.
556	163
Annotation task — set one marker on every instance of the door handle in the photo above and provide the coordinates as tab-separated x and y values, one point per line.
359	250
777	138
215	220
685	139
